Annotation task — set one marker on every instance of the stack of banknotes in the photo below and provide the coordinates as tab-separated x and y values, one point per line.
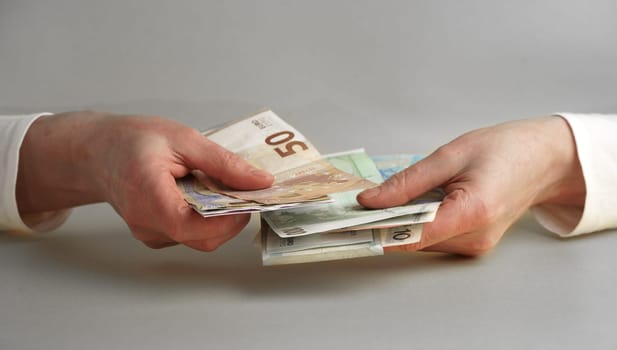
310	213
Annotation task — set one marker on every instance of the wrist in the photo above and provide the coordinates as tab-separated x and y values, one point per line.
57	167
566	183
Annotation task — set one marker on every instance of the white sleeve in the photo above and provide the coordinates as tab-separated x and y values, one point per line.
596	143
12	132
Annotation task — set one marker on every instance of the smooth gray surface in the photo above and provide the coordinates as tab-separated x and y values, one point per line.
390	76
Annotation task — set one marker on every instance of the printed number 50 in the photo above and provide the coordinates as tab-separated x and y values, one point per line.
283	137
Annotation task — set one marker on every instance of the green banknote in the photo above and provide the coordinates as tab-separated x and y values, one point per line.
346	211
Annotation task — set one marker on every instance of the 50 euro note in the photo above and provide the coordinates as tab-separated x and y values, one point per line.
269	143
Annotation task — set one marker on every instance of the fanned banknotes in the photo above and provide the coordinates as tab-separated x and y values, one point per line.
209	203
302	177
362	240
310	213
269	143
345	211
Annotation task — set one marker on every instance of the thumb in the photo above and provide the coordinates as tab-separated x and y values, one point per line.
226	166
412	182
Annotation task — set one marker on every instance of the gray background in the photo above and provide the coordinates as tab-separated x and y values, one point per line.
390	76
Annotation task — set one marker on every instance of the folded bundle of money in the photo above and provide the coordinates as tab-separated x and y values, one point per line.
344	229
310	213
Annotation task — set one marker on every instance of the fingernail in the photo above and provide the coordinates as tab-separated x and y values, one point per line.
371	192
260	173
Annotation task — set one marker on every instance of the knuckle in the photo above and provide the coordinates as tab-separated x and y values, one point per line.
398	180
174	232
192	132
196	137
482	245
229	160
210	247
140	236
447	152
486	213
202	234
132	220
404	185
203	245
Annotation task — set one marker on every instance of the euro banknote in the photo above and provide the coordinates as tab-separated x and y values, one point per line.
333	245
345	211
311	212
208	203
268	142
302	177
358	241
391	164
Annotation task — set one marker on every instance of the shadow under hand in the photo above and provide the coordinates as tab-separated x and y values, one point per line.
114	256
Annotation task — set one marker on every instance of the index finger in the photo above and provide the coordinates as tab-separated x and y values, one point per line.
218	162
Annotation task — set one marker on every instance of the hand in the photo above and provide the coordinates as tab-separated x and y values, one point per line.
130	162
491	176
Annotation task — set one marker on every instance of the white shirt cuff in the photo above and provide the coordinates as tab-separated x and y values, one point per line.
12	132
596	146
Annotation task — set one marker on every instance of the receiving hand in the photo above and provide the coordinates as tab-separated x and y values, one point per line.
491	176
